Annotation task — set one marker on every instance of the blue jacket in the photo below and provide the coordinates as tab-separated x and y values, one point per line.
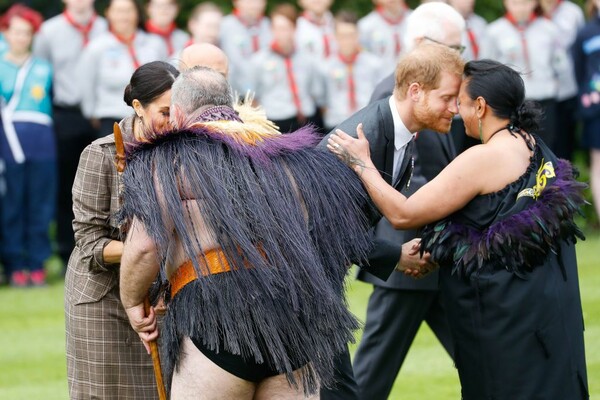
586	57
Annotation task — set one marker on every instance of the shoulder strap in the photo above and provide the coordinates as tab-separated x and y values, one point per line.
7	111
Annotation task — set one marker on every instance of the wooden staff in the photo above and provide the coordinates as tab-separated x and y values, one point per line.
160	386
120	164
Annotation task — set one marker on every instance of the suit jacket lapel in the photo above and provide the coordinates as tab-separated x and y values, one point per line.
387	125
448	146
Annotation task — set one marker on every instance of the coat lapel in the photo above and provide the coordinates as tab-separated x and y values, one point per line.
387	124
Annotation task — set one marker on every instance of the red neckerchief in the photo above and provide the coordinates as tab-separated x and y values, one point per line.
522	27
322	25
129	43
287	58
166	34
255	33
349	61
83	29
473	42
393	21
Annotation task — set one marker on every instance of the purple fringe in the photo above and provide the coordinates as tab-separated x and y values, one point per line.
261	151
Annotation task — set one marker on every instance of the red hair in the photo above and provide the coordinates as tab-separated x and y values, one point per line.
22	11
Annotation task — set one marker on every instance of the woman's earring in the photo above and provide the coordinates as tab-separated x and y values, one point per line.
480	131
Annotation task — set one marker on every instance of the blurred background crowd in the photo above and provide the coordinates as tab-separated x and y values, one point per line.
64	66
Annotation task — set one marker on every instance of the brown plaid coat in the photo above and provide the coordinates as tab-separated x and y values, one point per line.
105	357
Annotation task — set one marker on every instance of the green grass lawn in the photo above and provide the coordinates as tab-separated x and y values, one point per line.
32	351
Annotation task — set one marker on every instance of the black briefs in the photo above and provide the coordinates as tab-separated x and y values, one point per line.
243	368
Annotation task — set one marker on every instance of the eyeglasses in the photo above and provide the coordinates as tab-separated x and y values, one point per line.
458	47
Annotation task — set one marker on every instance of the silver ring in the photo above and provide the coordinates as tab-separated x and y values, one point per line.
336	145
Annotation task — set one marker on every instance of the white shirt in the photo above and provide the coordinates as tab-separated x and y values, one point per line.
402	136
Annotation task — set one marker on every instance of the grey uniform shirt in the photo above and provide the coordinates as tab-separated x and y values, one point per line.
473	37
317	40
542	60
62	44
366	74
179	39
105	69
272	86
237	41
382	38
569	19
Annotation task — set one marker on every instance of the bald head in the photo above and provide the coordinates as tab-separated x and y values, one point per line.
204	55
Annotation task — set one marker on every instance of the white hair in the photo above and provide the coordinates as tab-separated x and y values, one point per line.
432	20
199	86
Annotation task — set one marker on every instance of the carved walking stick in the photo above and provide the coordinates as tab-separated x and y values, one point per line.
120	163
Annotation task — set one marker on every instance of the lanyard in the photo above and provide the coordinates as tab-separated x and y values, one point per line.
253	29
83	29
129	43
473	42
166	34
287	58
522	27
349	61
394	22
322	25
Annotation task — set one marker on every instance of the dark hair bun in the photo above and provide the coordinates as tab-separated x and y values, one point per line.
127	96
527	116
149	82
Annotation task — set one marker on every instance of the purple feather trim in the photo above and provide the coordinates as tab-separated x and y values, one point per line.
517	243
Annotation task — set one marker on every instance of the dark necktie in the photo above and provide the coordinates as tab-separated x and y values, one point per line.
406	167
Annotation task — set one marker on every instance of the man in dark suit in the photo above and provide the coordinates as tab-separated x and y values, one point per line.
399	305
420	101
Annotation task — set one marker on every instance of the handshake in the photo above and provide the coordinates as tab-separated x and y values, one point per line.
411	263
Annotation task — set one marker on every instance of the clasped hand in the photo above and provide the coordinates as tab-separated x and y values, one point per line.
411	263
145	325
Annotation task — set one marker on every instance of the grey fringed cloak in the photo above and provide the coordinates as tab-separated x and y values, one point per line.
294	213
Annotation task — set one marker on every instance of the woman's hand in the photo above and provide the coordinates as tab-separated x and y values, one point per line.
353	152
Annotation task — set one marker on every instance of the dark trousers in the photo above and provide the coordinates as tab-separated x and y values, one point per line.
566	123
107	126
27	208
548	130
393	319
345	386
73	133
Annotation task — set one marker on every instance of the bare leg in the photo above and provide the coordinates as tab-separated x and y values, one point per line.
595	178
199	378
278	388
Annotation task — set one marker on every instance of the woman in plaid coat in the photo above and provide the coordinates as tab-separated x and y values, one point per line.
105	358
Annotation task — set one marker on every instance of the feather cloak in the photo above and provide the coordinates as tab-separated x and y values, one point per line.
535	222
